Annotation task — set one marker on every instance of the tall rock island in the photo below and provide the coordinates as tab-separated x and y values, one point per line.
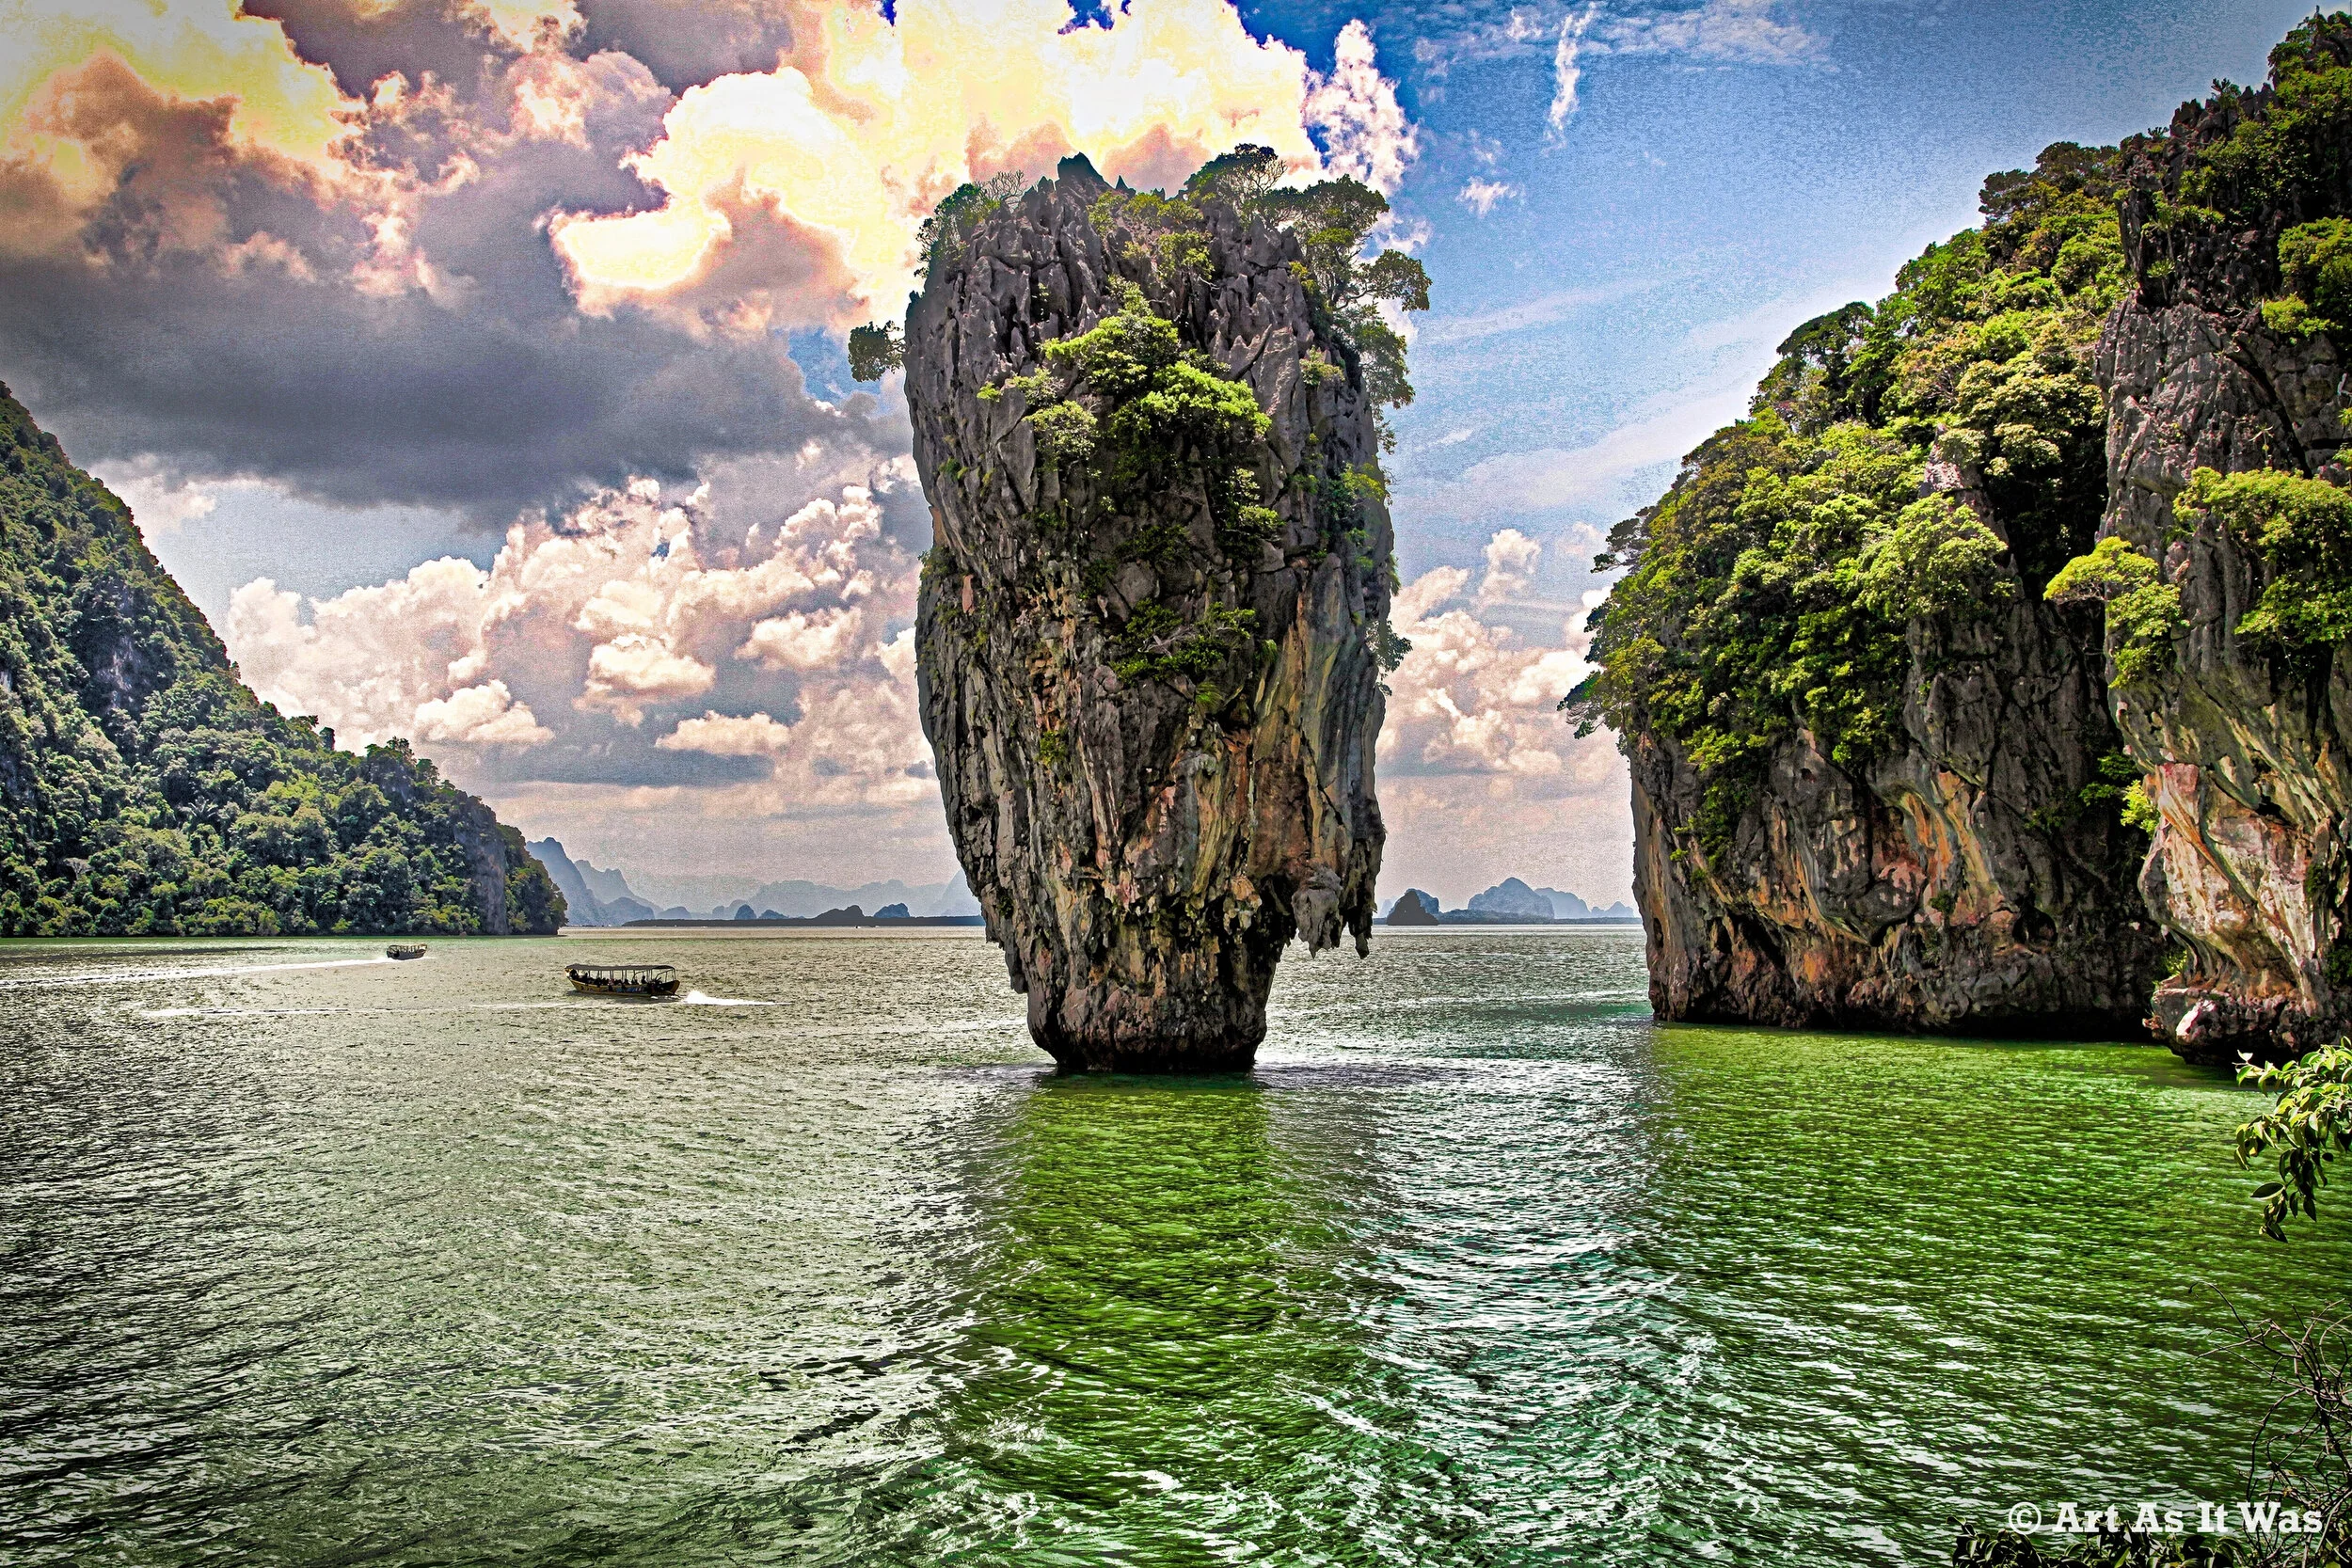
1152	625
1992	673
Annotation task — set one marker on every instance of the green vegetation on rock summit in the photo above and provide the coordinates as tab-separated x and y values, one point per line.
1771	589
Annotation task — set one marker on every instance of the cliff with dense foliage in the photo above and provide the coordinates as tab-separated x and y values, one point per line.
145	791
1153	624
2226	569
2088	456
1875	780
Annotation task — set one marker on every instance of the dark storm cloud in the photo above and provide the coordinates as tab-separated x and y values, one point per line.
364	44
682	45
727	36
361	401
225	315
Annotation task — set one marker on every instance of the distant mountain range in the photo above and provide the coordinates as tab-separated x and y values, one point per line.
1509	902
607	897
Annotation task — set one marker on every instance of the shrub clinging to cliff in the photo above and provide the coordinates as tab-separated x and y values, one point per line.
2142	609
2303	530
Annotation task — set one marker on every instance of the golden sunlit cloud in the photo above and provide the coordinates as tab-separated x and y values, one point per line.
193	52
865	124
789	197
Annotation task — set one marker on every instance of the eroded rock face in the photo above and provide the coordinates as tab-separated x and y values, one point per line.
1923	894
2247	754
1153	714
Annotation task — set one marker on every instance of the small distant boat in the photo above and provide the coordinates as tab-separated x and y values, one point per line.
404	950
623	979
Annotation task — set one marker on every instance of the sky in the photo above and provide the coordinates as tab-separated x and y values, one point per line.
477	367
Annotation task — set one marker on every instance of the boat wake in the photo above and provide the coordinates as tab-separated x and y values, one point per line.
696	999
138	976
245	1012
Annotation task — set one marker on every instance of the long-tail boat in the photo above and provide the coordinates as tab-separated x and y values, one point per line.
624	979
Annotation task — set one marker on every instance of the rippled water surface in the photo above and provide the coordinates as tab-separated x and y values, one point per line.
310	1259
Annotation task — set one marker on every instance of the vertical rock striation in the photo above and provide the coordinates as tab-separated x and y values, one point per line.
1151	626
2245	739
1938	887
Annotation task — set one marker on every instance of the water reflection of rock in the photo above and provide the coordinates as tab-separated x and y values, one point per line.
1170	1333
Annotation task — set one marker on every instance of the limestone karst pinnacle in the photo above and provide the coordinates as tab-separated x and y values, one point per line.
1151	624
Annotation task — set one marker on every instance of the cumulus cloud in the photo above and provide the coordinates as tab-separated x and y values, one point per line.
1470	697
635	670
865	123
801	641
864	738
1475	760
719	735
365	661
1511	561
583	649
483	715
1363	129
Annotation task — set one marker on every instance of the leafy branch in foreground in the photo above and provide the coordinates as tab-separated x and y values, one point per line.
2116	1548
2298	1482
2303	1132
2303	1448
2297	1509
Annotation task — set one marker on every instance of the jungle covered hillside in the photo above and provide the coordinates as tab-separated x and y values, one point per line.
144	790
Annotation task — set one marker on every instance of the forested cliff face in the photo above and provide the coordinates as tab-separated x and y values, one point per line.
145	791
1875	780
1152	631
1896	750
2227	570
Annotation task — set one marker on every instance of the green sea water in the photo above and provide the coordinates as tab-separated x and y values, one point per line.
310	1258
